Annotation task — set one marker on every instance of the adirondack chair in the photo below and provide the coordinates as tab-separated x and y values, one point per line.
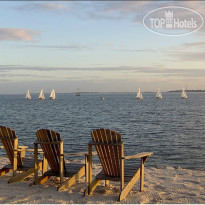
52	146
110	150
16	155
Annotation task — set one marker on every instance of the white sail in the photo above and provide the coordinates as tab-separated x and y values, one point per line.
183	95
139	94
41	95
28	96
159	94
53	95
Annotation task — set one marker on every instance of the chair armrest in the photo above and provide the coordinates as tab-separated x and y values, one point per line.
139	155
23	147
29	150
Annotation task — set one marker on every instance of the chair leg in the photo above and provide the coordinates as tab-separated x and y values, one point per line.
129	186
107	183
91	187
24	174
4	171
41	180
69	182
142	174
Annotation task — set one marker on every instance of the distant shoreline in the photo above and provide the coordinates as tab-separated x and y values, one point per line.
187	91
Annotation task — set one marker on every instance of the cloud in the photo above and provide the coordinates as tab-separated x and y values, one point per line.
16	34
61	47
157	70
49	7
189	56
193	45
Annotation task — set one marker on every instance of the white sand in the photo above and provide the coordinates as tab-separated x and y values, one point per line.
165	186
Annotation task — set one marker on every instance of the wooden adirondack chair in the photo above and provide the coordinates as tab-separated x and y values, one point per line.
16	155
52	146
110	150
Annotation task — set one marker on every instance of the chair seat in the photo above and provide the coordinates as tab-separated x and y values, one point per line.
27	164
71	169
129	171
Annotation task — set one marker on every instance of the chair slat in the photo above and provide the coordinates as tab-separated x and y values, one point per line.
42	137
111	151
109	155
106	153
99	150
51	151
6	133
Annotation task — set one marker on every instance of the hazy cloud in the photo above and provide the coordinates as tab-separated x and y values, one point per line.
48	6
61	47
200	44
189	56
162	71
16	34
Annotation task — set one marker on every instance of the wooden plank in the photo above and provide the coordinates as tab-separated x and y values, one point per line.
43	179
44	135
122	167
89	164
8	145
92	186
3	171
139	155
101	152
142	175
69	182
116	153
95	138
36	163
15	157
25	174
108	160
129	186
111	153
61	162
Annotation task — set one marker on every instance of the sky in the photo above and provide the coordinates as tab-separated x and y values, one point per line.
95	46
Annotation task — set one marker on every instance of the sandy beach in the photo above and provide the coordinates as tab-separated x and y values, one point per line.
162	186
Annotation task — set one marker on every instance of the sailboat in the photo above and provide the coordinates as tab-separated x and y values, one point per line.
139	94
28	96
78	93
183	95
158	95
41	95
53	95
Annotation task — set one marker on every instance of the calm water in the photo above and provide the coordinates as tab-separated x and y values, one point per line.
172	128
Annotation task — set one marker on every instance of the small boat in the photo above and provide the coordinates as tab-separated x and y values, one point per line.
41	95
78	93
53	95
102	98
139	95
183	95
28	96
158	95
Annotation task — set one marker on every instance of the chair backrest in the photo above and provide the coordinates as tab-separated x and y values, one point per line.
109	152
51	151
7	138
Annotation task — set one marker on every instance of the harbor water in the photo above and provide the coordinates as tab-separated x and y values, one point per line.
172	128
